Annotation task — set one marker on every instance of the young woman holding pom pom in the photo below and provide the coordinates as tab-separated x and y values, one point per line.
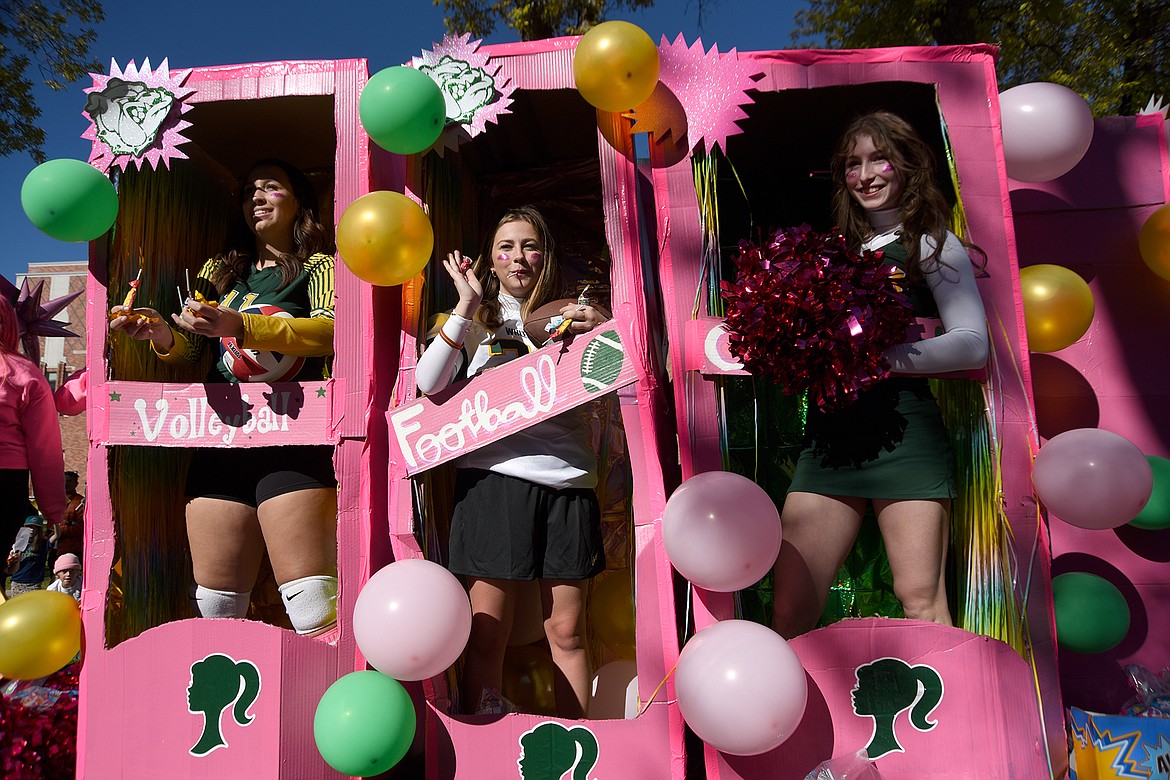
890	447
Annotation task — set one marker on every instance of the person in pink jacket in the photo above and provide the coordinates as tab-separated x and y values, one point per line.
30	437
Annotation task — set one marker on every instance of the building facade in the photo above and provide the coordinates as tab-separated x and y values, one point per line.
61	357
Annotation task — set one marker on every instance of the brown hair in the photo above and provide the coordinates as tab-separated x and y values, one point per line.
924	208
548	284
309	236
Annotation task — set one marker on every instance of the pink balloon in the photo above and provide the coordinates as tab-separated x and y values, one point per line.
740	687
721	531
1047	128
412	619
1092	478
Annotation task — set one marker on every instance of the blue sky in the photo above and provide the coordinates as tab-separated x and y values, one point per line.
386	32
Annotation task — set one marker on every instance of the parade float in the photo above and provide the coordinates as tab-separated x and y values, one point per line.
654	169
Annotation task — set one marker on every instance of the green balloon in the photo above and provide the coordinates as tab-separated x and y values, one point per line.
1091	614
403	110
69	200
364	724
1156	515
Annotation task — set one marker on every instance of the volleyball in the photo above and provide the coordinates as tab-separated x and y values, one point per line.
256	365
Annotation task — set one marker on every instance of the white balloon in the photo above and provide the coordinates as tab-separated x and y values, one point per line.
1047	128
613	686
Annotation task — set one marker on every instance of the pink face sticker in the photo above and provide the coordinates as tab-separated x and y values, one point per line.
534	257
277	195
503	258
851	175
887	168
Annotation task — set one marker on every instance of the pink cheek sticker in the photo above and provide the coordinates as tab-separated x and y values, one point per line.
887	168
277	195
535	257
851	176
503	258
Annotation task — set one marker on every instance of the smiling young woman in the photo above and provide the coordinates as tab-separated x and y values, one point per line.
525	507
270	294
890	447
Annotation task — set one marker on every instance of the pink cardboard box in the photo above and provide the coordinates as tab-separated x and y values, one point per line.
778	115
536	141
150	705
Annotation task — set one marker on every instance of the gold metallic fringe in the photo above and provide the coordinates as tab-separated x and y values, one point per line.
169	221
980	532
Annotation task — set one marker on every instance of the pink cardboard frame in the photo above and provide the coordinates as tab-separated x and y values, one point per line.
651	744
964	79
134	719
1113	378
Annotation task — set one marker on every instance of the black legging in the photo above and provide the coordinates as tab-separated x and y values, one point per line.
14	505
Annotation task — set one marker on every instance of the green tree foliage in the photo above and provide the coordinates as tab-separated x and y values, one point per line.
534	19
1114	52
54	37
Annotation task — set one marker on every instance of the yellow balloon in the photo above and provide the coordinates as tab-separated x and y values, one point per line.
40	632
1154	242
1058	306
528	616
529	679
615	66
385	238
611	611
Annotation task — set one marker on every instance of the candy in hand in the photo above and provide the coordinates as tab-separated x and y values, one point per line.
128	303
130	296
133	316
198	298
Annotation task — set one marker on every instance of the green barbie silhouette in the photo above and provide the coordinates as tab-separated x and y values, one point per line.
216	682
888	686
550	750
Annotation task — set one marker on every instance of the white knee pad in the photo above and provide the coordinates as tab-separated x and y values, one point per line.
209	603
311	602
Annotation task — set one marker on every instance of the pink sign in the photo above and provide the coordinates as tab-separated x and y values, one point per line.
707	348
217	415
510	398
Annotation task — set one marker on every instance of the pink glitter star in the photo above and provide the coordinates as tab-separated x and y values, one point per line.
711	87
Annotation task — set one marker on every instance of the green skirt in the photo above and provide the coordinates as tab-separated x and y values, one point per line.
890	444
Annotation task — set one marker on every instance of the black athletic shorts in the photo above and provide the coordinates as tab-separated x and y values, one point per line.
252	475
505	528
14	505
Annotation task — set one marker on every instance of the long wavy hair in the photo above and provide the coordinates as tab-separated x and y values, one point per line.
548	283
309	235
924	208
